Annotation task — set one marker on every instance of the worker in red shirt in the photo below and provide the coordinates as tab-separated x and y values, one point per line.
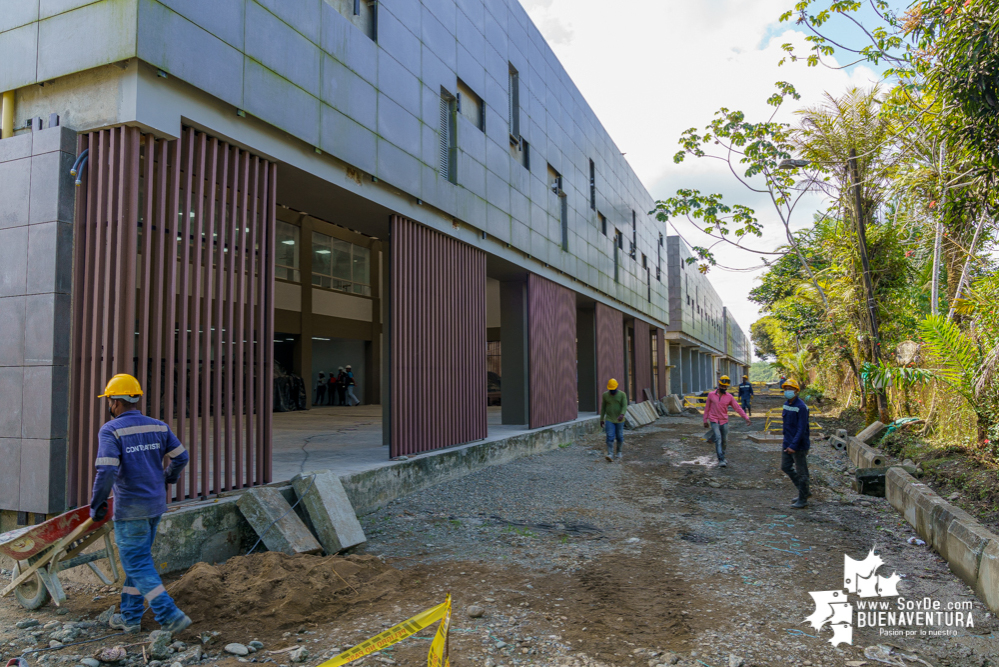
716	415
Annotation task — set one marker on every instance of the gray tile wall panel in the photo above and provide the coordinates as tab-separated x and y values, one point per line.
15	148
349	94
50	258
47	329
43	466
303	15
13	261
14	192
19	48
52	187
12	316
343	137
11	383
398	126
49	8
45	402
85	38
10	472
399	83
221	18
187	51
398	41
438	37
15	13
279	47
277	101
397	167
349	45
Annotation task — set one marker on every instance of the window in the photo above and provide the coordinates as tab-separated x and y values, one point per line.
448	137
659	259
340	265
555	183
514	96
593	186
525	154
286	255
655	364
361	13
618	249
634	234
603	223
470	106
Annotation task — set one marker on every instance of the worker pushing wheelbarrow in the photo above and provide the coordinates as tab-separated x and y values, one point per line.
138	457
41	552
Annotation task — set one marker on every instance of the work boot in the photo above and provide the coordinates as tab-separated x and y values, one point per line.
177	625
619	456
609	458
117	622
799	503
723	463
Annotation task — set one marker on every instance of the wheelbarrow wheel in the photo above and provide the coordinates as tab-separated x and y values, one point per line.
32	594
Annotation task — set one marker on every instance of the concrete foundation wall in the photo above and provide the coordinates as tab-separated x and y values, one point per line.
36	271
215	531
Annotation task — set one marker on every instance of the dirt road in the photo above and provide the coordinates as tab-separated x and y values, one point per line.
661	559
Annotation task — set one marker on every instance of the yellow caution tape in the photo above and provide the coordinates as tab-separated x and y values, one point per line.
393	635
437	657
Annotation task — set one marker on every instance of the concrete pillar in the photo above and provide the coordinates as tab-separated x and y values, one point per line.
37	198
373	349
676	372
586	359
687	370
514	364
384	342
302	360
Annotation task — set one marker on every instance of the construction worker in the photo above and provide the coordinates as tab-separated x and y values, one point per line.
794	460
137	456
746	395
716	417
613	405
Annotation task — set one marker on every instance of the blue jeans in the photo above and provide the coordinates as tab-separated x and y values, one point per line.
142	583
614	431
745	401
719	433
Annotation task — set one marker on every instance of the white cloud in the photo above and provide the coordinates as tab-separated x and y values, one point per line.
650	69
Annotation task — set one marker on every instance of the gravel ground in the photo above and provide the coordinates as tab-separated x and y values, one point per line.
565	559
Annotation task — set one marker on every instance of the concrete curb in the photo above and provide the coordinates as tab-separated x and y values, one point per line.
215	530
863	456
969	548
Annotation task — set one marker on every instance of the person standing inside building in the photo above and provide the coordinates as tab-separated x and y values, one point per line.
131	452
746	395
331	388
613	405
320	396
794	460
716	417
341	385
350	387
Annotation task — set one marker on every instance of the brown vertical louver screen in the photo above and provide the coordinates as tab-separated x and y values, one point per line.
438	339
174	284
610	347
551	318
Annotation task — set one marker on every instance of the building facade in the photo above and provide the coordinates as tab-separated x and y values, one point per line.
212	195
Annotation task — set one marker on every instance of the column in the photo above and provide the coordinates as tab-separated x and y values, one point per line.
515	396
586	357
37	197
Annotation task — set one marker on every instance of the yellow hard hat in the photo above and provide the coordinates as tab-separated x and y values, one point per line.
723	380
790	384
122	385
745	377
611	384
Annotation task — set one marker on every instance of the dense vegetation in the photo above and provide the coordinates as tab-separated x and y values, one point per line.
885	296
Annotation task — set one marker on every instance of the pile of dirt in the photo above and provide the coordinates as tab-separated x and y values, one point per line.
271	590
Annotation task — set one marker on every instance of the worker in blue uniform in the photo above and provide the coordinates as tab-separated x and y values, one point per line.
796	442
137	457
746	395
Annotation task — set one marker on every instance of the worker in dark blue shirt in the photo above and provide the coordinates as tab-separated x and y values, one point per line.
746	395
794	460
137	457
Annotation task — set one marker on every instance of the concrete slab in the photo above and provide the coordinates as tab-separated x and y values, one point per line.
863	456
330	509
871	432
280	529
987	586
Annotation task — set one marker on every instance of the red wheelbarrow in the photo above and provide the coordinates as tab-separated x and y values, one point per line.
41	552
